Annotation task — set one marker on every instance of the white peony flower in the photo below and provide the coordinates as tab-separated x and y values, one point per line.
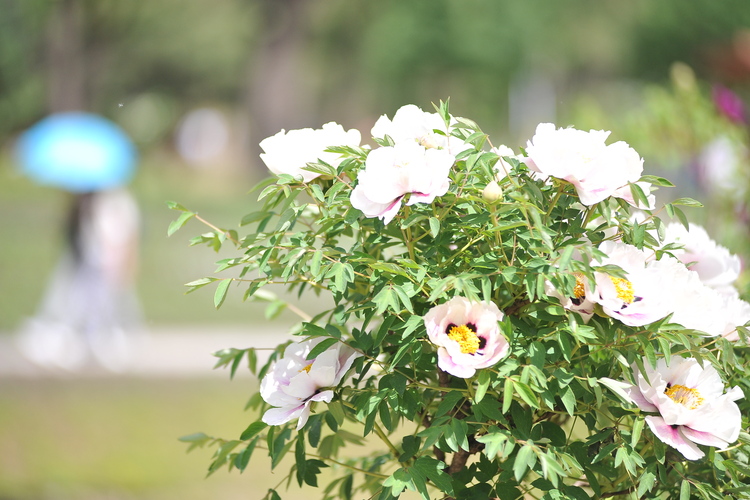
411	124
692	406
294	382
716	266
698	306
392	172
467	335
582	158
289	152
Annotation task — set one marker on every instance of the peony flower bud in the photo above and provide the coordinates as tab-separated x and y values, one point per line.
492	192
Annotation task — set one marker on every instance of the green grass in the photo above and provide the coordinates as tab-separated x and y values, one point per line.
117	438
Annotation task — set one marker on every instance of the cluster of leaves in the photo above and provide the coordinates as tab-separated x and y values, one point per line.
542	423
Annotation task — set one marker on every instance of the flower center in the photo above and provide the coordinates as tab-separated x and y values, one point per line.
579	290
466	338
306	368
685	396
624	289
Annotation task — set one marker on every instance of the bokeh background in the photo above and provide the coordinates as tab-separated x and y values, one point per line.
198	83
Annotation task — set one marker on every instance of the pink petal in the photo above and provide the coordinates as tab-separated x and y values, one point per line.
674	437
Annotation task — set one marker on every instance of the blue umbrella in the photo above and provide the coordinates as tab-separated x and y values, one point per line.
79	152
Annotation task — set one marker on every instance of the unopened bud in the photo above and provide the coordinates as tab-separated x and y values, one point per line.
492	192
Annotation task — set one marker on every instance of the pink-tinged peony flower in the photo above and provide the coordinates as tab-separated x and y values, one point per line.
293	383
467	335
393	172
692	406
596	170
411	124
289	152
715	265
645	294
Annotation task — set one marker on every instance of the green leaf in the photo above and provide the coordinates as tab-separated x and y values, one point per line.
507	395
635	434
321	347
493	443
252	430
645	483
434	227
685	490
177	224
483	382
410	445
687	202
526	393
433	470
300	458
336	409
398	482
525	459
221	292
568	398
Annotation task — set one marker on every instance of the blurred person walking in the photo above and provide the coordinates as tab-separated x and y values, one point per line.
90	310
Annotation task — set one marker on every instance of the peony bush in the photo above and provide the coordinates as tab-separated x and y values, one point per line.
497	323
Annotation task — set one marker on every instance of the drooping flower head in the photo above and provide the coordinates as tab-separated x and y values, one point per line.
289	152
393	172
596	170
294	382
467	335
691	405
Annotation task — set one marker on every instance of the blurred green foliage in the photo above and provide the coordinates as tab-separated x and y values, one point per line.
147	63
357	54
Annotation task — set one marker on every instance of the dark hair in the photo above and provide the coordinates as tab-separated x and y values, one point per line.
80	211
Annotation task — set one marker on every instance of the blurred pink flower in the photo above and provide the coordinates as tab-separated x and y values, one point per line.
467	335
729	104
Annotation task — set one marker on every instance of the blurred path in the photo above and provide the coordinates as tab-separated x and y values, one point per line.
163	352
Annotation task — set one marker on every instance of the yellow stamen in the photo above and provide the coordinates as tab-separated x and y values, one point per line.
684	396
307	368
466	338
624	289
579	290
